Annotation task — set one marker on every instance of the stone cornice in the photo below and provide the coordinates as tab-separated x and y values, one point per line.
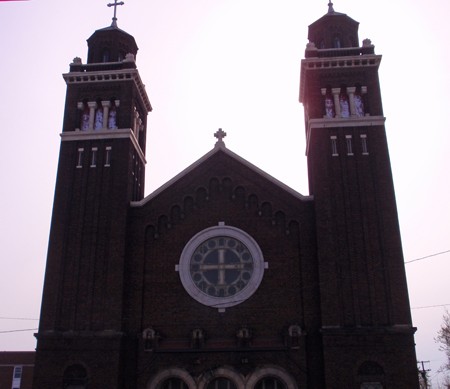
335	63
106	334
399	329
366	121
110	76
121	133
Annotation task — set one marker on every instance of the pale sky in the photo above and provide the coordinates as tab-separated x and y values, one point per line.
233	64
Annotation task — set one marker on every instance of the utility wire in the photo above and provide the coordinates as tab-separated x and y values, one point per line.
428	256
15	318
29	329
432	306
414	260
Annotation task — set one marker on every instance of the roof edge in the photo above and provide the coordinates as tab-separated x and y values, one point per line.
217	148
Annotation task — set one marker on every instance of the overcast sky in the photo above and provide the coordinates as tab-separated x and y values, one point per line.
233	64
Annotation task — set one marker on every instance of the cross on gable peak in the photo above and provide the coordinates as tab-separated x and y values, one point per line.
115	4
220	134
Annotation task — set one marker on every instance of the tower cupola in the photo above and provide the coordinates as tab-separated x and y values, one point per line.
110	44
334	30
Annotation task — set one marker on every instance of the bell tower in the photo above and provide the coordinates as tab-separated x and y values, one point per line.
101	170
363	292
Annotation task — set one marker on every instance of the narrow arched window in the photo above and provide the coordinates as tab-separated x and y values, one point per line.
337	43
84	124
344	103
321	44
98	118
112	119
105	56
359	103
330	111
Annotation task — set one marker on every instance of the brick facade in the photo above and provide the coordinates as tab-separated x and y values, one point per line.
332	308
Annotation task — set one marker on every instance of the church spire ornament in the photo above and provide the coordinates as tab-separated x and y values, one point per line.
115	4
330	7
220	134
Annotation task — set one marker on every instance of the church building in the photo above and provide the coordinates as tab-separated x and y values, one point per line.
224	277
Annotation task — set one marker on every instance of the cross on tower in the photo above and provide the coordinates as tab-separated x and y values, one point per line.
115	4
220	135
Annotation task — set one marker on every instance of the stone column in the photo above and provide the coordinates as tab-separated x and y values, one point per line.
106	105
337	105
92	107
351	97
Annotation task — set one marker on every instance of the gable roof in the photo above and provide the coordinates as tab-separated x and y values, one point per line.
220	146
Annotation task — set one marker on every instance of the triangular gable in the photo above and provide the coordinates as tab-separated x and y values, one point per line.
216	149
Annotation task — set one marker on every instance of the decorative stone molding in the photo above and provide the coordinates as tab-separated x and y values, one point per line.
225	372
156	381
271	371
151	338
197	338
244	337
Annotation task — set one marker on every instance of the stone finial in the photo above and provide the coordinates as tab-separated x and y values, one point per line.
330	7
77	61
311	46
129	58
367	43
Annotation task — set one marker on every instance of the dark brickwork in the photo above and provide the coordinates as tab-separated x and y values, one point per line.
332	308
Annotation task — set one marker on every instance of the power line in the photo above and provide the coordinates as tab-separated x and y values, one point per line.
428	256
16	318
29	329
432	306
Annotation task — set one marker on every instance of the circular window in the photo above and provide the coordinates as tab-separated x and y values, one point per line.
221	266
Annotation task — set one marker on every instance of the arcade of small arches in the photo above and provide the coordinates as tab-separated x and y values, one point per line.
337	42
265	377
370	375
93	114
191	204
344	102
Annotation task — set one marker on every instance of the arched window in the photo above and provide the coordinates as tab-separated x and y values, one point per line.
330	112
222	383
98	118
371	375
359	103
105	56
174	383
75	377
344	103
321	44
337	42
270	383
112	119
84	125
